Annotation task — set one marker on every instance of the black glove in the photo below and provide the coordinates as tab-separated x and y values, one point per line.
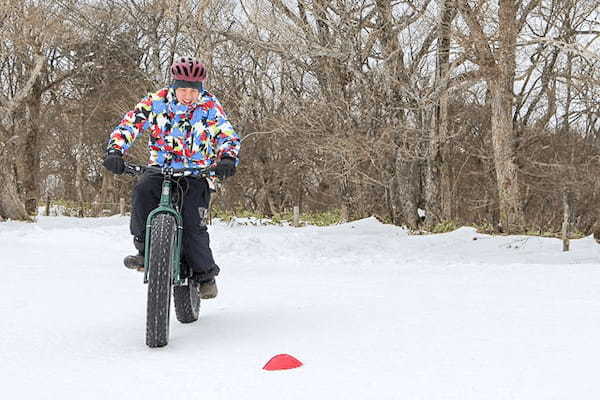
114	162
225	168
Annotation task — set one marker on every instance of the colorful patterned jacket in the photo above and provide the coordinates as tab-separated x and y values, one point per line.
180	136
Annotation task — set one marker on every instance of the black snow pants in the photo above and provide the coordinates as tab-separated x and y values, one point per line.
194	196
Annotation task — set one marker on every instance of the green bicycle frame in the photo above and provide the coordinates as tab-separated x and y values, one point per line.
165	207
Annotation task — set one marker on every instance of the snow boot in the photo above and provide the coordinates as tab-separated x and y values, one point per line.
208	289
136	262
206	281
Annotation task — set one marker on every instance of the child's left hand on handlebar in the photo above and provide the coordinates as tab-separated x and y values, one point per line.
225	167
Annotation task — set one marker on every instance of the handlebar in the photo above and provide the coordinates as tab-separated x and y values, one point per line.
134	169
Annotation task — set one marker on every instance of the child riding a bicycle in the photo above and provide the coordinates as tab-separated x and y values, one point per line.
187	128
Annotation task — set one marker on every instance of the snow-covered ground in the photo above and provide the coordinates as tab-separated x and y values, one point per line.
372	312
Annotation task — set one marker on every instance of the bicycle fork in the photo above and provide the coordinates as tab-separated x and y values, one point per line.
165	207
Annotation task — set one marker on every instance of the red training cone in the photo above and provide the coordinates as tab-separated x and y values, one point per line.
282	361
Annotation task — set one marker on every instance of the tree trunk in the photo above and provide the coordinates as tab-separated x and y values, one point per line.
405	184
28	163
405	194
11	206
107	192
438	184
504	137
507	171
346	194
79	166
566	197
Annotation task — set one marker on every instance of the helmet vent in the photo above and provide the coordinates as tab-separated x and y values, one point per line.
188	69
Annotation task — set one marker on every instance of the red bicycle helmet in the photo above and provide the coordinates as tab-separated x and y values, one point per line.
188	69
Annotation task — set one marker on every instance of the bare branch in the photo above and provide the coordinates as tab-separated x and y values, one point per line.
8	106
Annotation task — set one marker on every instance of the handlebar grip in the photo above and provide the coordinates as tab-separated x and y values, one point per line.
132	169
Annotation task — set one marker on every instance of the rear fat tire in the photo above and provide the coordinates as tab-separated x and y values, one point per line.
187	302
162	247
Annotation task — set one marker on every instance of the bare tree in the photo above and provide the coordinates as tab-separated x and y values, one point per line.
438	190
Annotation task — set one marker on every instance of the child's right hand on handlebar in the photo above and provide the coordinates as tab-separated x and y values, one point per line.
114	162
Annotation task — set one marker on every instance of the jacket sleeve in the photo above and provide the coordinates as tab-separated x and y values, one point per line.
133	123
227	141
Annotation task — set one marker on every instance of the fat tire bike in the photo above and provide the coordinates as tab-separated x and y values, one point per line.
164	270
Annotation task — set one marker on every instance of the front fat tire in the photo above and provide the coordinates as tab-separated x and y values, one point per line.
187	302
162	246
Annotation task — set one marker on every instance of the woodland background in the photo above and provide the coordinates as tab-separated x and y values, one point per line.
478	112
